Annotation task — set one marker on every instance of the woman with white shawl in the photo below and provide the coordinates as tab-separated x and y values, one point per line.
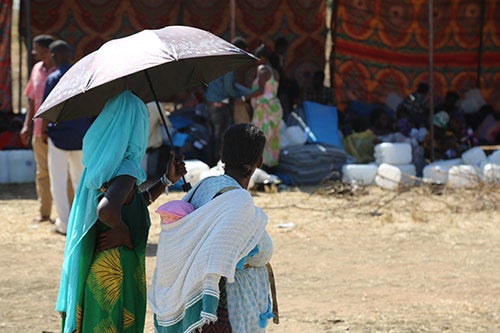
211	270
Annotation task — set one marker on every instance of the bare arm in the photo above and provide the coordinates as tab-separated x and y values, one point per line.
120	192
263	76
28	121
109	212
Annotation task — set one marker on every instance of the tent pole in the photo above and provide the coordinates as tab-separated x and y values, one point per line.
233	19
431	76
28	36
186	186
481	43
333	34
20	59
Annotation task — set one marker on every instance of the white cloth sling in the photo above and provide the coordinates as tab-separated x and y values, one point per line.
194	252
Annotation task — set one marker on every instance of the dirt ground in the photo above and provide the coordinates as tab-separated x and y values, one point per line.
362	260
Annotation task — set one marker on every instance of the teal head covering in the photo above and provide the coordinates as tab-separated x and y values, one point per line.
441	119
114	145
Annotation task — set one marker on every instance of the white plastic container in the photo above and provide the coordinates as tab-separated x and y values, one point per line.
491	172
463	176
21	166
474	156
392	176
393	153
388	176
437	172
363	174
4	168
194	170
495	157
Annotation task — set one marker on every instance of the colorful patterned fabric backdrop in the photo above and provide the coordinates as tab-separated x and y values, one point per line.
5	73
382	46
87	24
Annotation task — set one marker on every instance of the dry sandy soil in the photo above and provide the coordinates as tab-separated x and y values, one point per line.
367	260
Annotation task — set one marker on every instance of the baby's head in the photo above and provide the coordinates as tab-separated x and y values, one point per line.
174	210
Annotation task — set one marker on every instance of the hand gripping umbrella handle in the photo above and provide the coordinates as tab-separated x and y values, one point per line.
186	186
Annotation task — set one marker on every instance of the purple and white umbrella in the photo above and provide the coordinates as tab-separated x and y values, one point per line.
154	64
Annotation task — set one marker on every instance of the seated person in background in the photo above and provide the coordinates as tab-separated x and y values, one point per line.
417	105
361	142
318	92
473	120
11	137
464	134
405	132
445	142
488	131
403	124
450	105
381	124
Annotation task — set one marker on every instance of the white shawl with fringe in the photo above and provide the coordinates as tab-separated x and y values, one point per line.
195	251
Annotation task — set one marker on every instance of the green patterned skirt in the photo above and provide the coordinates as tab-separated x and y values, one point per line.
112	283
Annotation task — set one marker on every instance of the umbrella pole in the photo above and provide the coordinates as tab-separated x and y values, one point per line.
431	77
186	186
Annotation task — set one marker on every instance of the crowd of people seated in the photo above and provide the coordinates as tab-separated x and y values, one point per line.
201	115
455	130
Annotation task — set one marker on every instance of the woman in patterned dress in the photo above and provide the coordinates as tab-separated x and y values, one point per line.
103	281
267	110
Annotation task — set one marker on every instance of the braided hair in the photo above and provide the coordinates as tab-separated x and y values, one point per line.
242	147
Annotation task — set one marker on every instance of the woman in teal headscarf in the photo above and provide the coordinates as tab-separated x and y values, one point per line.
103	281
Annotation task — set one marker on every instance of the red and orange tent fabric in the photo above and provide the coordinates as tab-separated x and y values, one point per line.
383	46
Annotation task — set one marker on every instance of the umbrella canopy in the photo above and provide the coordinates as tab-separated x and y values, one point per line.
154	64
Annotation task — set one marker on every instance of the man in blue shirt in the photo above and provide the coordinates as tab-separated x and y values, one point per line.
219	97
64	142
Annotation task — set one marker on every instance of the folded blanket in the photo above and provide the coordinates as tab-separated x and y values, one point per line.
195	252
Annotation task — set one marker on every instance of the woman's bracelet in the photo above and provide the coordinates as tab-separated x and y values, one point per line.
165	181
